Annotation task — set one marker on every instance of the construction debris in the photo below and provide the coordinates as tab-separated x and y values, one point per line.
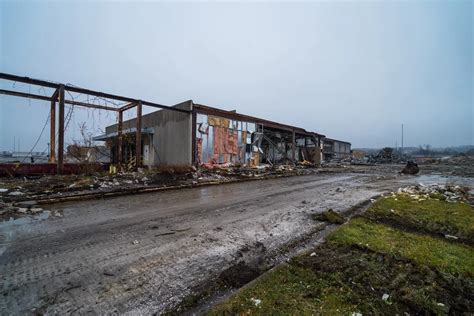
449	193
23	192
386	155
411	168
460	159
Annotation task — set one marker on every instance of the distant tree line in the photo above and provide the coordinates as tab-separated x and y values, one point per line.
426	150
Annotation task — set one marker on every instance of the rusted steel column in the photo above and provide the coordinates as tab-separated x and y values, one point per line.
120	139
138	145
294	146
60	164
52	132
193	137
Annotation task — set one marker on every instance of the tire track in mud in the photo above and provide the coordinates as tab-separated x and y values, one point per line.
60	272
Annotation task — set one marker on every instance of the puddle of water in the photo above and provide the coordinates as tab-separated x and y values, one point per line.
8	228
28	219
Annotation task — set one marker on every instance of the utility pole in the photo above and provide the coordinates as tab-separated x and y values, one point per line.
14	144
402	141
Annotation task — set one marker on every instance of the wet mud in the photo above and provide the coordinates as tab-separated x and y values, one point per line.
148	253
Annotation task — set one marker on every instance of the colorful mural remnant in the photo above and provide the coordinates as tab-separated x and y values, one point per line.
221	140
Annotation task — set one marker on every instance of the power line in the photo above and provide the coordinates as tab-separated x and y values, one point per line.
39	137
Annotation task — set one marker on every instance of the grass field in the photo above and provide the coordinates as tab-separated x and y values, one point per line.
393	259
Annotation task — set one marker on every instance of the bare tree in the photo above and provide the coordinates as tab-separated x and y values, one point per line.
83	150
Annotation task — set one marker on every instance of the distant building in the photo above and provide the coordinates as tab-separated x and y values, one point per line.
336	149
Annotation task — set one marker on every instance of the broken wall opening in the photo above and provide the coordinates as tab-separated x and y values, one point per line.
283	147
226	141
221	140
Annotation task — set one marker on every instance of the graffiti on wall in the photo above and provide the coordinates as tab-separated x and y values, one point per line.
221	140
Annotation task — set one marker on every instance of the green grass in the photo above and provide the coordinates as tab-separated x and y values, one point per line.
343	281
367	258
289	290
446	256
427	213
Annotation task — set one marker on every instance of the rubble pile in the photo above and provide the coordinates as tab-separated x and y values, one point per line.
335	164
210	177
448	192
461	159
54	187
16	189
411	168
241	172
386	155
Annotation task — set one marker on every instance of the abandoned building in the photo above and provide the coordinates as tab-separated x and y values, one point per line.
182	135
336	149
212	136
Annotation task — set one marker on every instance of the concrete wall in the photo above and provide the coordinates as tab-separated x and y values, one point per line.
172	138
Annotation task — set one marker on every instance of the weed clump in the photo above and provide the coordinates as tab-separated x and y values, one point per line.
329	216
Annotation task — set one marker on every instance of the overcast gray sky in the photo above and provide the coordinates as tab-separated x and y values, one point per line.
352	70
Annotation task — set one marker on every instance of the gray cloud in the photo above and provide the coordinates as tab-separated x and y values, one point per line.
350	70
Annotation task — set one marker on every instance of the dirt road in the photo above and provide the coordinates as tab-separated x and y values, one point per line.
144	253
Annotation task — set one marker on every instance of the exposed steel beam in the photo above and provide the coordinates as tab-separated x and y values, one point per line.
293	145
120	139
160	106
60	164
28	80
242	117
138	138
128	106
86	91
90	105
193	138
54	97
25	95
52	125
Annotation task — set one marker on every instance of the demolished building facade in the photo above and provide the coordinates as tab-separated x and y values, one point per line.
182	135
212	136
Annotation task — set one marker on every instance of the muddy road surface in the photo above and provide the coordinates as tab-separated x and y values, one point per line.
144	253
